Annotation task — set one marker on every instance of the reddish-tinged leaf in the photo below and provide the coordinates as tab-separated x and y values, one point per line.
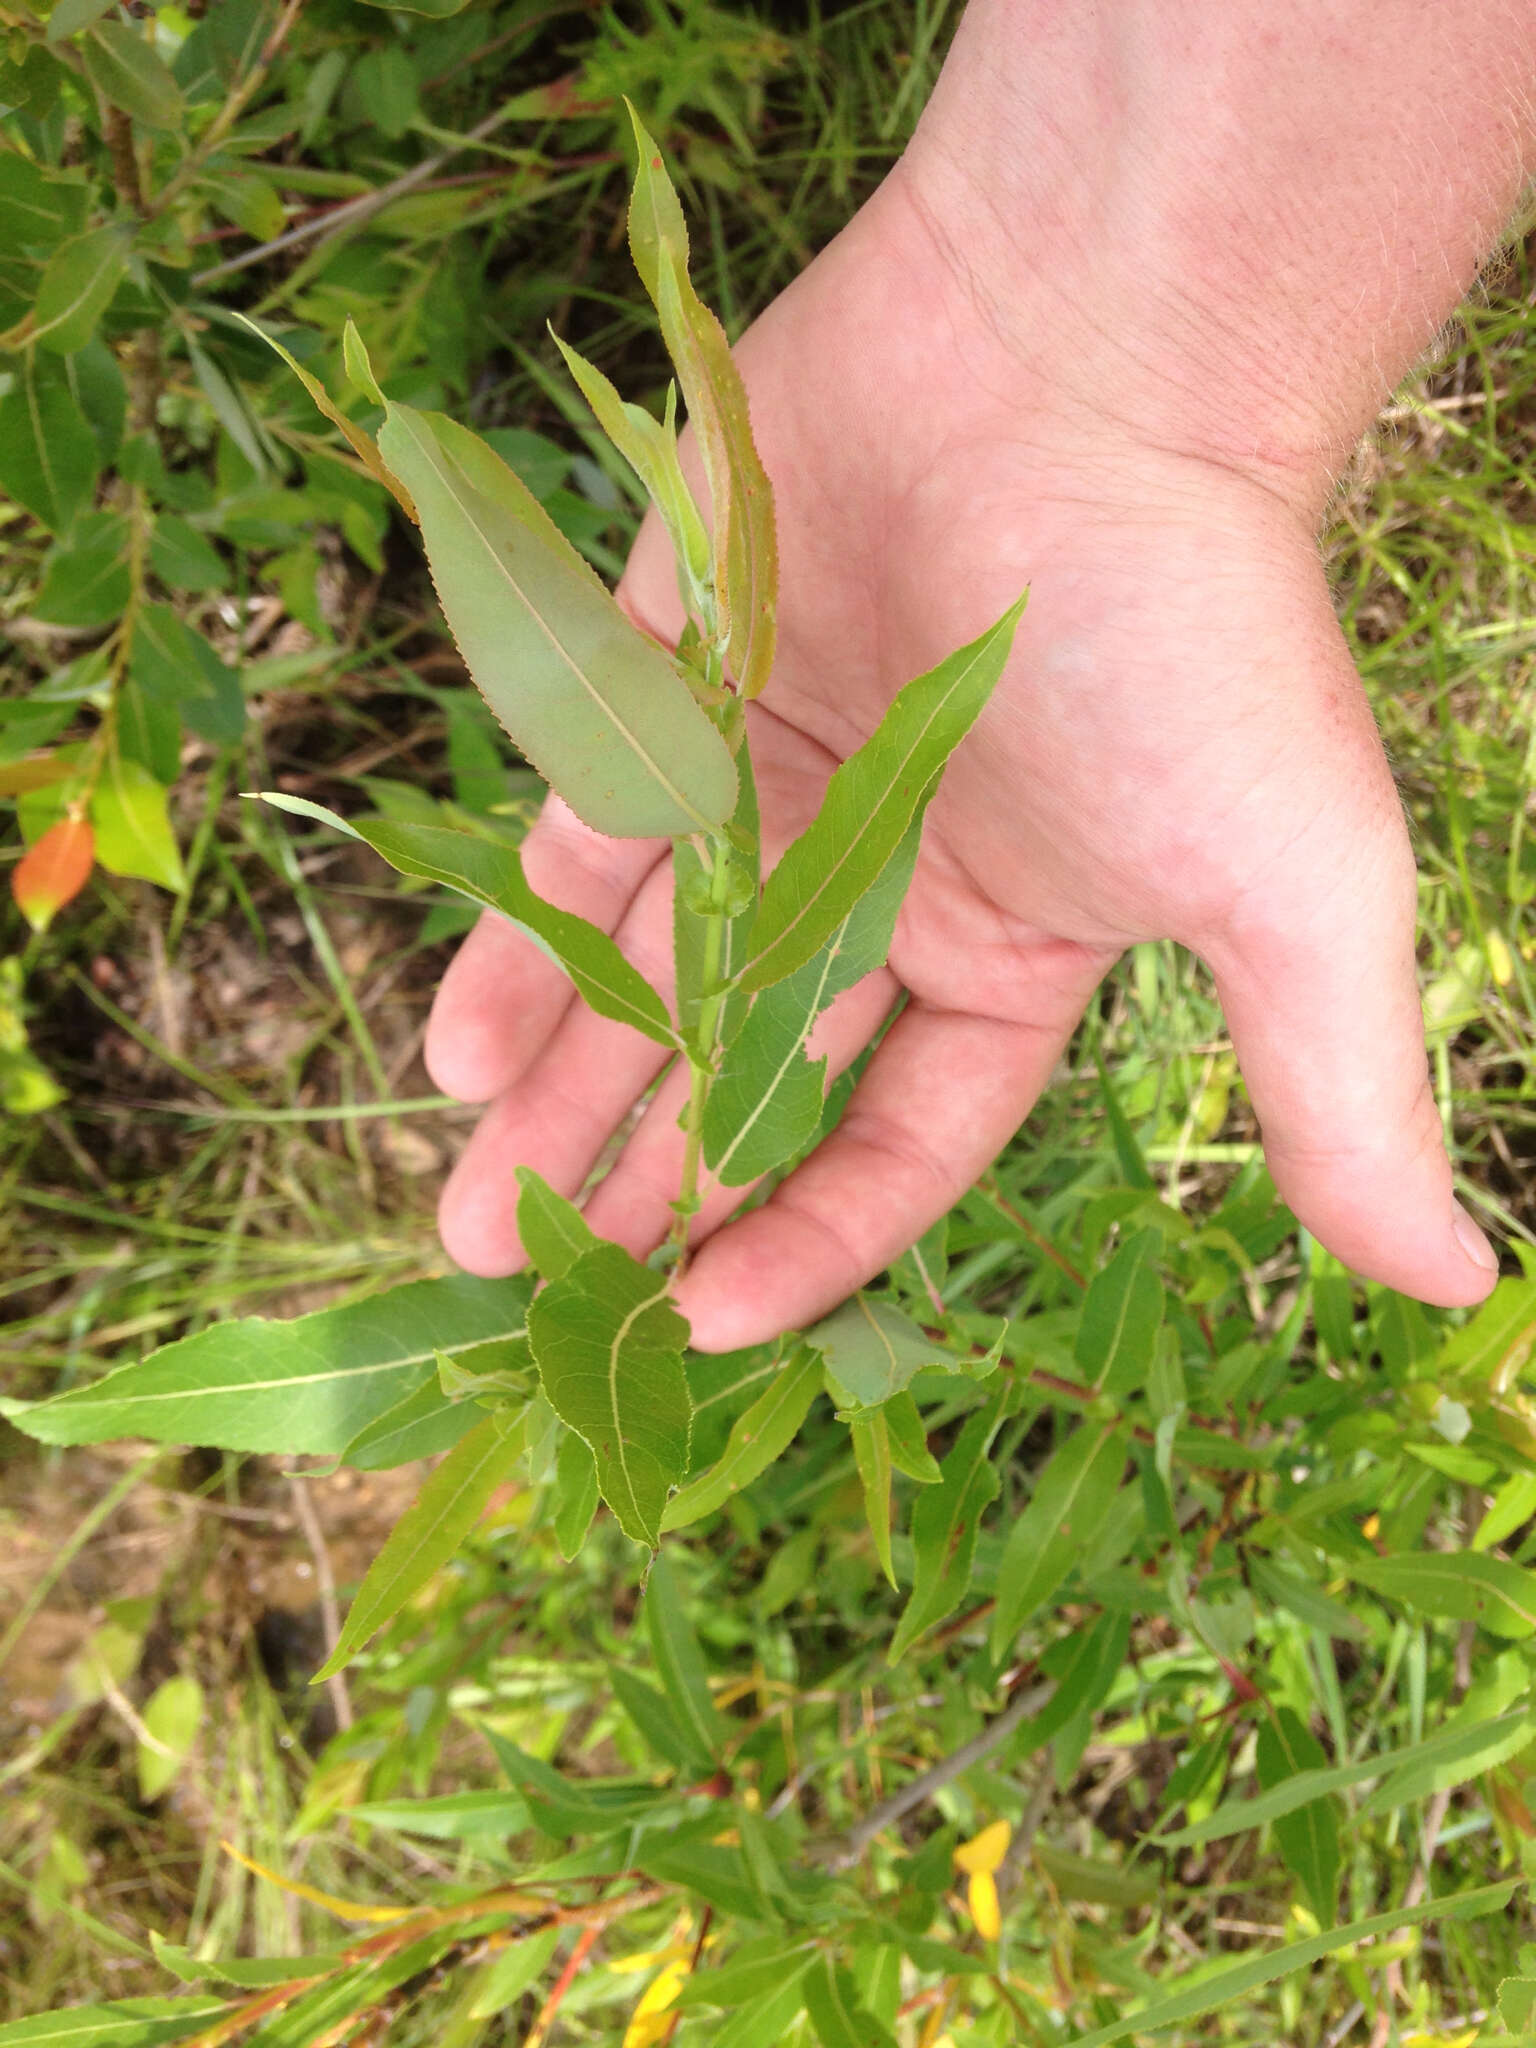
54	871
36	771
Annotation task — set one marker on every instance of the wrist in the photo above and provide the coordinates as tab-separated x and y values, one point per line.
1230	231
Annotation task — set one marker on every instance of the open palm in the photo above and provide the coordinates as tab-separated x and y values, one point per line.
1179	748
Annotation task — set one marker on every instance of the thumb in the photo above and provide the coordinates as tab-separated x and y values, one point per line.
1320	991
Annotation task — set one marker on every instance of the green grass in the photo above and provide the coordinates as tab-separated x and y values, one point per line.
248	1129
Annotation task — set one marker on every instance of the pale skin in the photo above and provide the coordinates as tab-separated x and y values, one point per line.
1109	330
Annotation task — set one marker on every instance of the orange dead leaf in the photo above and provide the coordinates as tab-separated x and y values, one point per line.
52	872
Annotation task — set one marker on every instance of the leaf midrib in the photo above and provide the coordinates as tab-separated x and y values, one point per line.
873	816
630	738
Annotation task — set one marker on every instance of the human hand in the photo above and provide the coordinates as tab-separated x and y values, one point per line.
1179	747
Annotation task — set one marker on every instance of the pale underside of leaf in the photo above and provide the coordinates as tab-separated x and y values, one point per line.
870	801
595	705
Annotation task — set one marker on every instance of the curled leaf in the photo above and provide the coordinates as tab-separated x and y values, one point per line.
54	871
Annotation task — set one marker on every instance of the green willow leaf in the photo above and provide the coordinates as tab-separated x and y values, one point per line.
680	1665
872	1351
49	458
1094	1659
491	873
838	2017
513	1971
649	446
1069	1502
944	1527
596	706
129	74
450	1817
1122	1314
1448	1757
870	801
758	1436
609	1347
1458	1585
741	499
651	1715
1224	1986
78	285
909	1440
171	1717
1308	1838
304	1386
178	669
575	1485
362	443
421	1424
872	1455
133	826
763	2022
553	1231
431	1530
70	16
768	1097
125	2023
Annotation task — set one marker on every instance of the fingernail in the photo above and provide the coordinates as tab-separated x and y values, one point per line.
1472	1241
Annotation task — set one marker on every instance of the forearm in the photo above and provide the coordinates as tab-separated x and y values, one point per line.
1249	217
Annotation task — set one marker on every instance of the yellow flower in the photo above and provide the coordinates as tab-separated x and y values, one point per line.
985	1852
980	1859
649	2021
985	1910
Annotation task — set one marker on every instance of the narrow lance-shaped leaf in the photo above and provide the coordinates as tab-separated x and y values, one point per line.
421	1424
362	443
1067	1506
126	2023
609	1347
838	2016
758	1436
491	873
576	1494
1309	1837
870	801
305	1386
944	1527
741	499
680	1662
129	74
595	705
1122	1313
49	457
553	1231
872	1455
1225	1987
1461	1585
1448	1757
78	285
649	446
766	1101
431	1530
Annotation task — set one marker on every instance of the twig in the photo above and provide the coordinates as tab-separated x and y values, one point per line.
585	1942
325	1586
845	1850
354	211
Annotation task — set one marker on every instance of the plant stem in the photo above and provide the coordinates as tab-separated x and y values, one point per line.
701	1055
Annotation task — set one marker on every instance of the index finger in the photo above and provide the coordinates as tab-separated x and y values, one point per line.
502	998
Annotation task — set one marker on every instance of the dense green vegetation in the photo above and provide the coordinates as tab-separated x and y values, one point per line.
1223	1752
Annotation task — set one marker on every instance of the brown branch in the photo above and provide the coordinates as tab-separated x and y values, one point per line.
842	1851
